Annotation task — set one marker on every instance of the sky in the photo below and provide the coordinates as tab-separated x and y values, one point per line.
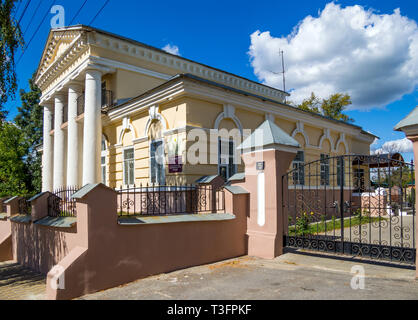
368	49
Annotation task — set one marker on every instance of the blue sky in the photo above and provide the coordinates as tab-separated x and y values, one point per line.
218	33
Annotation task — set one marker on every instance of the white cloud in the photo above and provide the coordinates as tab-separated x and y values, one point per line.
173	49
401	145
373	57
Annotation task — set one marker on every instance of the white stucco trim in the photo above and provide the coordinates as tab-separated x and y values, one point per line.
327	136
342	140
154	114
228	113
127	125
300	128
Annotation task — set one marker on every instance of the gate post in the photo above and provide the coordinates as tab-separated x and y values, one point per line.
409	126
267	155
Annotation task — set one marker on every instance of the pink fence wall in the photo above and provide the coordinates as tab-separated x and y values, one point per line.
100	253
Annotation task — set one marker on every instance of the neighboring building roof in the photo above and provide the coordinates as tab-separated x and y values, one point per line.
380	160
268	133
410	120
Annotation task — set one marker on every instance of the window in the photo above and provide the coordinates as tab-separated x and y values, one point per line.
128	167
359	180
103	160
103	165
226	156
157	162
299	169
340	172
324	169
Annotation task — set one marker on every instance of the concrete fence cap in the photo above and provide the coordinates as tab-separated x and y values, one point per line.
11	199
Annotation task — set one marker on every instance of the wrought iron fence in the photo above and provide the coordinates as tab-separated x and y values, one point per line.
169	200
359	205
24	206
60	203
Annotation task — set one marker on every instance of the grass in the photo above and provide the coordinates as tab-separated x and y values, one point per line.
328	226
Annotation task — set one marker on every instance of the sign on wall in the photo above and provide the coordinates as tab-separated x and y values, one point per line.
175	164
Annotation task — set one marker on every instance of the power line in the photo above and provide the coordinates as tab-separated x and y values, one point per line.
71	22
97	14
31	19
17	10
36	31
78	12
24	11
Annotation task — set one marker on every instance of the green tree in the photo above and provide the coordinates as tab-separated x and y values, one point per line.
332	107
12	166
10	40
29	121
312	104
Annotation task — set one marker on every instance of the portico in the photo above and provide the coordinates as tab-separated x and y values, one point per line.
73	131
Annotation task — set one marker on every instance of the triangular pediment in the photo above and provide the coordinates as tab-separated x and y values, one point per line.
59	40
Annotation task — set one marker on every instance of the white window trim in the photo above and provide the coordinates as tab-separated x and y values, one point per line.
123	167
149	157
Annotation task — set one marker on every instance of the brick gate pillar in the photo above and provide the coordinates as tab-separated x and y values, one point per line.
267	155
409	126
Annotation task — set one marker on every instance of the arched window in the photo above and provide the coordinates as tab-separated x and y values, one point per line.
157	154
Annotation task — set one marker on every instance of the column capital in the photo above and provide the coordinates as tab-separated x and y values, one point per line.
47	104
76	86
96	67
59	95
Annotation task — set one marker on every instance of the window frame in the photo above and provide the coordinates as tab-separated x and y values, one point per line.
126	183
163	164
340	166
298	167
229	166
324	168
104	154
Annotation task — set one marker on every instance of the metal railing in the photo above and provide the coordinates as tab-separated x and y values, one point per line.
60	203
107	101
169	200
25	206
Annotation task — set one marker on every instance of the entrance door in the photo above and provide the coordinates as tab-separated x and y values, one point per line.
157	162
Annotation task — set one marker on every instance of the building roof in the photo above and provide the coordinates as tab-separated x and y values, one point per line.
135	42
268	133
410	120
189	76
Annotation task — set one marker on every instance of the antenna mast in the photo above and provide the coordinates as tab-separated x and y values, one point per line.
283	72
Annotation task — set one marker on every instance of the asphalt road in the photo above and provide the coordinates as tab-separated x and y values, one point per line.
291	276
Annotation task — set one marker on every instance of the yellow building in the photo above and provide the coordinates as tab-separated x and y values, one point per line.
121	112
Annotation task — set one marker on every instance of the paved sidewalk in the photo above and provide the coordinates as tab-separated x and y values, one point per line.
19	283
291	276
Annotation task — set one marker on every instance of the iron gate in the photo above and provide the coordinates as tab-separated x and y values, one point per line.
352	204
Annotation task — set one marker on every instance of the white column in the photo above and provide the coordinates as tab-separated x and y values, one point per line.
92	127
47	153
74	150
59	143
